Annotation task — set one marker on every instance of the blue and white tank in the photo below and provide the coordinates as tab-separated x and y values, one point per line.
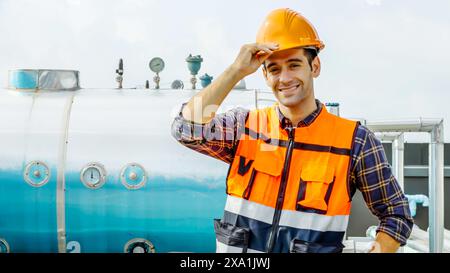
97	170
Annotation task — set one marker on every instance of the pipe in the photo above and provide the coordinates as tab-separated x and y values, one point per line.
413	200
398	147
388	136
436	171
413	125
420	236
447	234
419	246
260	98
436	188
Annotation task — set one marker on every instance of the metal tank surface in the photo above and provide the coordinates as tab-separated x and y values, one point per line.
97	170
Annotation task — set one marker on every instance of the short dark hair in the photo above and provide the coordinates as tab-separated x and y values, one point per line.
310	54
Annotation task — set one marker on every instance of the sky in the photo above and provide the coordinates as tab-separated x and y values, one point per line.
382	59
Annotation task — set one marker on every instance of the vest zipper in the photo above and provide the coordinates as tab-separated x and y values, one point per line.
281	191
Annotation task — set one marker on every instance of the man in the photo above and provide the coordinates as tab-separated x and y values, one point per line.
293	166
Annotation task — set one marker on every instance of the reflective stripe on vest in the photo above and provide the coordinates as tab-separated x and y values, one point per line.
296	219
283	187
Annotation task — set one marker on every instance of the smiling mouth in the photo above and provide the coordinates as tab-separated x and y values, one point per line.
288	89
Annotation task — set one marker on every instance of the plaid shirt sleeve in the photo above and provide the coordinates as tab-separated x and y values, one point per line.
216	138
372	175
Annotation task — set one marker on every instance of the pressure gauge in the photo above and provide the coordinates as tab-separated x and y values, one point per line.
139	245
93	175
36	174
156	65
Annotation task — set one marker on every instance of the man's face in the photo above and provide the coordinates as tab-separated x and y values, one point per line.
290	76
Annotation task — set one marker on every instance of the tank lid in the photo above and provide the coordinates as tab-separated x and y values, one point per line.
44	79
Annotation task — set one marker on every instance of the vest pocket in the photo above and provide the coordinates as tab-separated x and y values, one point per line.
241	177
300	246
265	176
248	189
232	238
261	172
315	187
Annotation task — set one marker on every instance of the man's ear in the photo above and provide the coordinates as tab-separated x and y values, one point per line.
316	67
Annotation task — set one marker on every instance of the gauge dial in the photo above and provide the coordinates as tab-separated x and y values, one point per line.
156	64
93	175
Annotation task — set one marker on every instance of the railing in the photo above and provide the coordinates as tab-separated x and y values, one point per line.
435	128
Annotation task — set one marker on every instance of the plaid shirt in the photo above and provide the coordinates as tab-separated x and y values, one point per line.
370	170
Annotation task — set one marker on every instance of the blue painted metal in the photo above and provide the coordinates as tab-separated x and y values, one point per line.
205	80
175	208
415	199
23	79
28	217
4	247
36	180
194	63
140	175
174	214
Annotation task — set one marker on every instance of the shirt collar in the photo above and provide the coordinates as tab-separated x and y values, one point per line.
285	122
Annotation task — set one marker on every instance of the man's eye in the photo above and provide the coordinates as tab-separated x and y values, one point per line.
275	70
295	65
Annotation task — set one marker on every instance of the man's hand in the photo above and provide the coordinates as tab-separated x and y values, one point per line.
384	244
251	56
202	107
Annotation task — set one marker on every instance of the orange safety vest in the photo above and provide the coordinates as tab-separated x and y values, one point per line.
288	189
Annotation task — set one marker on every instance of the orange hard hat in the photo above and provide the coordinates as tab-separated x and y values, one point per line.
289	29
